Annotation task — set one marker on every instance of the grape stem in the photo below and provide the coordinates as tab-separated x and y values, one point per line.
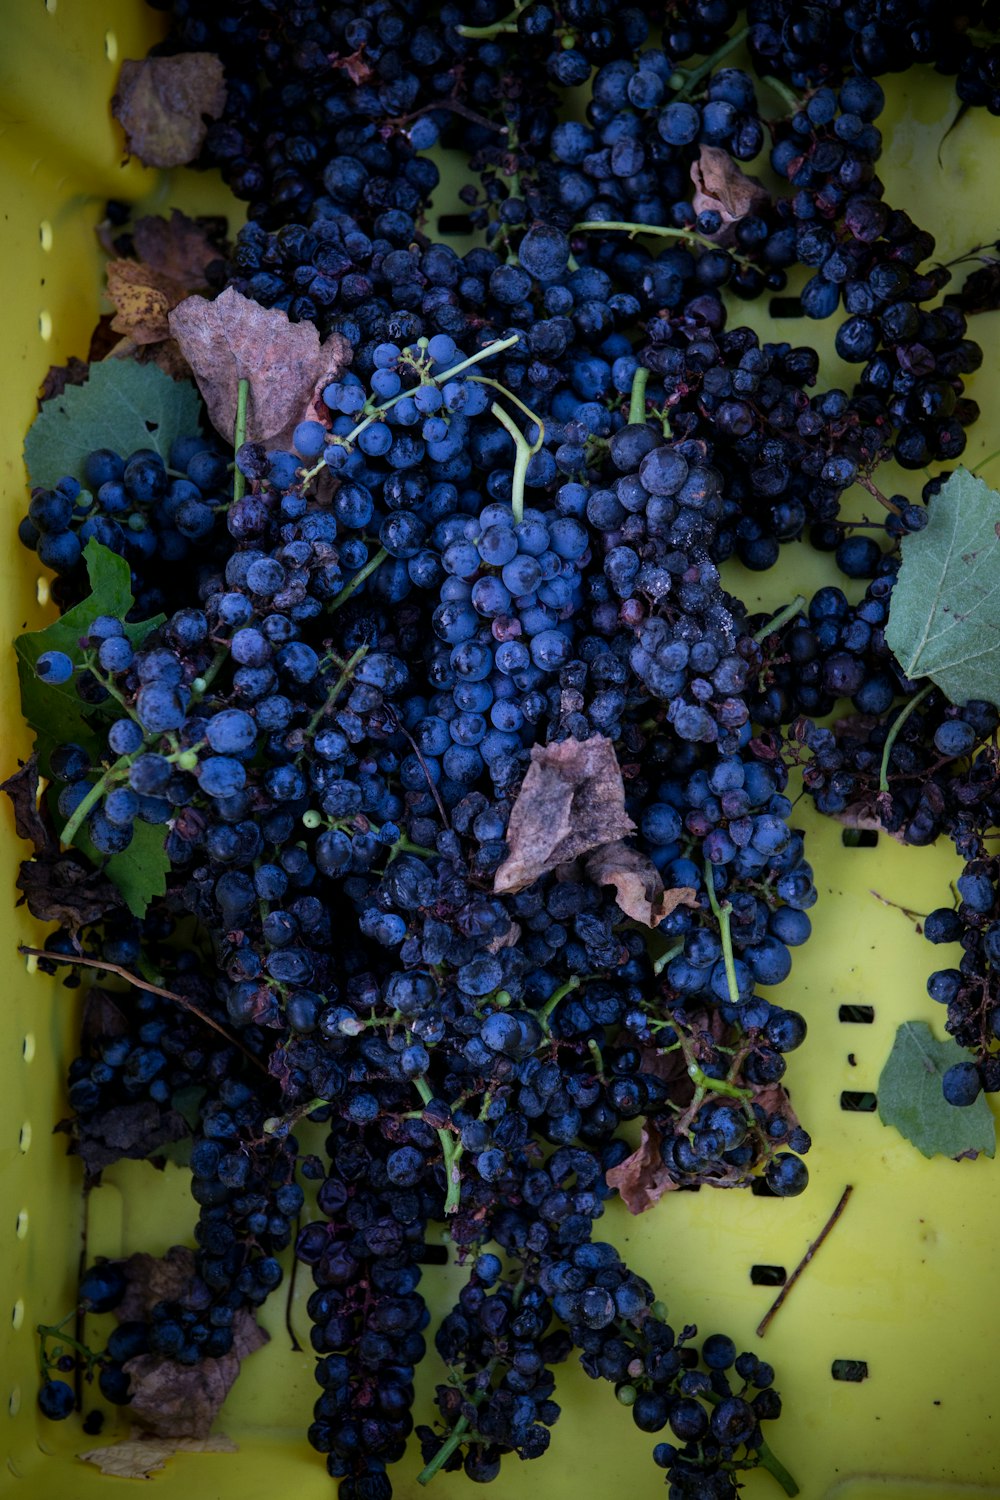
142	984
691	80
723	915
239	437
663	231
780	620
100	786
554	999
891	737
525	450
451	1150
463	1425
637	399
779	1300
358	579
336	690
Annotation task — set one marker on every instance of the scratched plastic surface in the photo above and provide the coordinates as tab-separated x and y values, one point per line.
906	1282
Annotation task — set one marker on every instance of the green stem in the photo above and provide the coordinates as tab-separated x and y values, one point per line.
663	231
239	436
358	579
496	28
723	915
883	775
770	1461
659	964
783	92
94	796
473	359
201	685
692	80
553	1000
524	450
451	1150
780	620
637	400
336	690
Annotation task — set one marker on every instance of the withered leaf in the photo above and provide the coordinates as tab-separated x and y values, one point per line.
720	184
58	377
22	789
154	1278
130	1131
161	104
638	887
234	339
642	1178
143	298
103	1017
65	889
139	1457
774	1100
572	800
175	1400
179	248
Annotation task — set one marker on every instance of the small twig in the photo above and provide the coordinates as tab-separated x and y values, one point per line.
891	737
239	436
869	484
781	619
914	916
142	984
373	562
779	1300
290	1296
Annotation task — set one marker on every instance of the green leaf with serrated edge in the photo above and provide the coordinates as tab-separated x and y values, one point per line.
910	1097
123	406
56	713
140	871
944	619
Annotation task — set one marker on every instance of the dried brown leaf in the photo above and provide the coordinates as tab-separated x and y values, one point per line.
179	248
638	888
22	789
65	889
234	339
642	1179
103	339
128	1131
572	800
863	815
143	298
248	1336
58	377
139	1457
161	104
720	184
774	1100
154	1278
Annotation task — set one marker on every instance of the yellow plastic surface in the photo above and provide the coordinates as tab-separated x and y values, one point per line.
907	1281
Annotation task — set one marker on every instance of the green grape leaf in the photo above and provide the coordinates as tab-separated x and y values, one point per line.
140	871
910	1097
57	714
123	406
944	620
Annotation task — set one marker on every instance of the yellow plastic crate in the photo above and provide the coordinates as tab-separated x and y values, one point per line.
906	1282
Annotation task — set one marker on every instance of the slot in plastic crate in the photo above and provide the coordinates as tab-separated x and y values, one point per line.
904	1289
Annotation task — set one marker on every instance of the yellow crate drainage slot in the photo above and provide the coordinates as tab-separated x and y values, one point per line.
904	1292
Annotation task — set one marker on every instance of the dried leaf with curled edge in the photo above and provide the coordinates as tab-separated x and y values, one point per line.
642	1179
139	1457
638	887
572	800
161	103
143	298
173	1400
179	248
234	339
720	184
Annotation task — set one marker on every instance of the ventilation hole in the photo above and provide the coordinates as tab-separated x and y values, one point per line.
28	1045
785	307
857	1015
45	325
21	1224
768	1275
50	6
760	1189
110	46
24	1136
690	1187
859	838
853	1370
17	1314
455	224
45	234
858	1103
14	1401
42	591
14	1468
